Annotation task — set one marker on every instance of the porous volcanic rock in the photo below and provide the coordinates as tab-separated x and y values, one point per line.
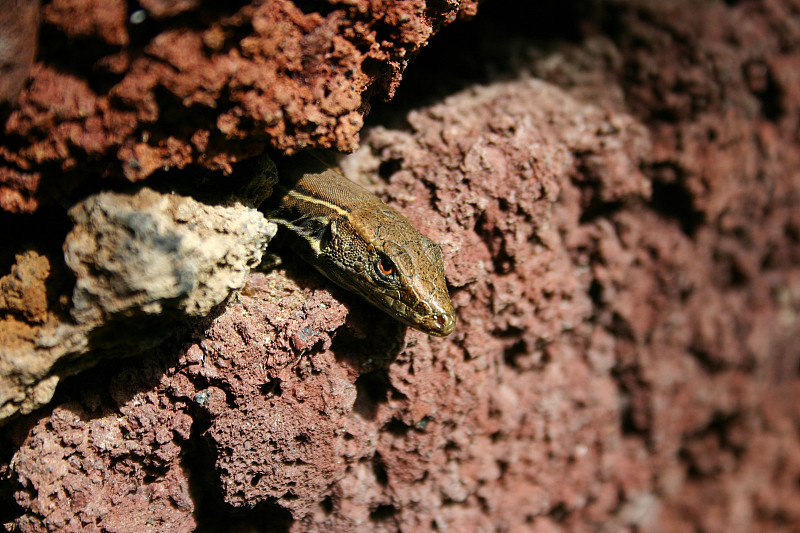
344	419
622	244
176	84
142	263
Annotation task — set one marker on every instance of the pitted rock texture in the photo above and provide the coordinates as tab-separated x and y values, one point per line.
142	263
349	422
625	264
147	253
27	320
108	464
22	291
19	25
174	84
279	407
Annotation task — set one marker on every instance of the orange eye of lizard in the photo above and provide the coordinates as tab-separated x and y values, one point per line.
385	266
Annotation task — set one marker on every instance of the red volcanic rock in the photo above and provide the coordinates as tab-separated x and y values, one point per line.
108	464
19	25
342	418
140	95
622	244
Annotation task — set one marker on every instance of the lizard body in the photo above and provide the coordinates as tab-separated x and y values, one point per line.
362	244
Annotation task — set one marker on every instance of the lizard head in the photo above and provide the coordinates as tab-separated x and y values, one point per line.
382	257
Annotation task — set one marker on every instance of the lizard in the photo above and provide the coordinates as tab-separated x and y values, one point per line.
361	244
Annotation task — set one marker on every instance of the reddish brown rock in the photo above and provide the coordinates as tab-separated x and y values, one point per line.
23	291
19	27
324	414
624	255
91	466
142	96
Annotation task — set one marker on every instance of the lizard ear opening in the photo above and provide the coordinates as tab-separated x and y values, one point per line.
323	234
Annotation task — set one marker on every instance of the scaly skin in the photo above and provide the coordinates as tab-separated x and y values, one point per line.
362	244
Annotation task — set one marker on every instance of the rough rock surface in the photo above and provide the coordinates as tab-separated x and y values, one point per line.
147	252
624	255
28	318
141	262
175	84
19	24
108	463
345	428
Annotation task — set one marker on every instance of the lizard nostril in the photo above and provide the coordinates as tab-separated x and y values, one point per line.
438	324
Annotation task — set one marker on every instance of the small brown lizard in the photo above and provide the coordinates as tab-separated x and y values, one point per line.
362	244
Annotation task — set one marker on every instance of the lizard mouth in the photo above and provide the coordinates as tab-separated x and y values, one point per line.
436	318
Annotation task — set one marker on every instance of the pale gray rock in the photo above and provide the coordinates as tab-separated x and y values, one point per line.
150	252
143	264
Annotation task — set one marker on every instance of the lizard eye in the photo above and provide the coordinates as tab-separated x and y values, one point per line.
385	266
